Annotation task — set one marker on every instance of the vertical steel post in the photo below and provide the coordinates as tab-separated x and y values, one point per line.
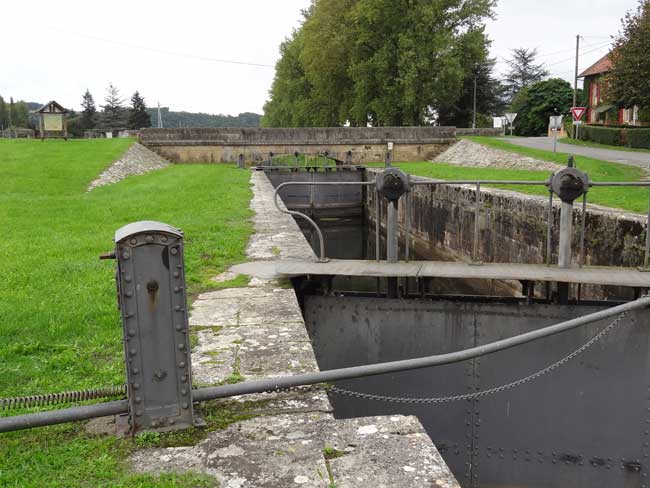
583	226
392	245
646	260
377	226
549	228
477	223
407	225
240	162
566	230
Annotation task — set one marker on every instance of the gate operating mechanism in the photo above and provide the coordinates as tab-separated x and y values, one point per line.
153	305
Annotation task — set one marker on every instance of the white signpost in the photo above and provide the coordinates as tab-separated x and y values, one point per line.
511	119
578	113
556	125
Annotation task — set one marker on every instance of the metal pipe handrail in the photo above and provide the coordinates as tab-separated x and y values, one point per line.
19	422
321	241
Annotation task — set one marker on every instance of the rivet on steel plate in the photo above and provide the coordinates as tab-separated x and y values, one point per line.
186	405
136	386
184	378
126	255
135	371
128	278
163	238
133	352
138	399
134	241
131	332
176	274
149	239
179	327
174	251
184	391
181	364
181	346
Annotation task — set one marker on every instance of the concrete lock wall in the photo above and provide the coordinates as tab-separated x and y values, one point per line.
513	230
366	144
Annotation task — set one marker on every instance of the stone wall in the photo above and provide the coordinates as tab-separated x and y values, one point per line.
365	144
487	132
513	229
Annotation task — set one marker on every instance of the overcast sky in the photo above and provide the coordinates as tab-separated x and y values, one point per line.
168	50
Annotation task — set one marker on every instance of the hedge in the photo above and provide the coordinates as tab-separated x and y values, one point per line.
639	138
633	137
601	135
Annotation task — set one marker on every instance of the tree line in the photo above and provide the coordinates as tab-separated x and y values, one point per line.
114	113
13	114
419	62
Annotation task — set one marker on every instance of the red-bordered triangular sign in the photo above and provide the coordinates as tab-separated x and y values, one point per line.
578	112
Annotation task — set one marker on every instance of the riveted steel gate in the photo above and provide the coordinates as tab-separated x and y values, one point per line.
152	299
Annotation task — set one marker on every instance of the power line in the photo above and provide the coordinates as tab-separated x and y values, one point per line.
163	51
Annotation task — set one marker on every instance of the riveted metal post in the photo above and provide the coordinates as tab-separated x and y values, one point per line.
240	162
392	245
566	231
153	304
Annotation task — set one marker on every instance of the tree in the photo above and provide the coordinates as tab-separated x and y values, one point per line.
629	80
523	72
4	114
138	116
88	119
536	103
477	65
113	110
377	62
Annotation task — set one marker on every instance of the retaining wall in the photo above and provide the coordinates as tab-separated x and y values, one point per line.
513	230
365	144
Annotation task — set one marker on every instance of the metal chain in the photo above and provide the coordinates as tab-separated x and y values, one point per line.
483	393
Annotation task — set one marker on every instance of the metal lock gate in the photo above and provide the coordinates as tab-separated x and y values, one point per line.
152	299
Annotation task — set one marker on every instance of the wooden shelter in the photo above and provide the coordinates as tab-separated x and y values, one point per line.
53	121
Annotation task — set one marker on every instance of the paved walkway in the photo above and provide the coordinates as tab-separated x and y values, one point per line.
288	439
640	159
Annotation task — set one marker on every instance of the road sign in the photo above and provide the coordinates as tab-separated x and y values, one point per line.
556	122
578	112
511	118
577	122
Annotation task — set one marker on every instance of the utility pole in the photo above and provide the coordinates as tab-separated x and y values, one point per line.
575	84
474	120
160	123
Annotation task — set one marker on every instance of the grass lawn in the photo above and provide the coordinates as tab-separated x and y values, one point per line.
59	326
631	199
568	140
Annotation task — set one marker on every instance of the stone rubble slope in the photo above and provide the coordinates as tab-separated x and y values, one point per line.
137	160
468	153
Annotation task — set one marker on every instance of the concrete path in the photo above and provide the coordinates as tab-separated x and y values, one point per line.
640	159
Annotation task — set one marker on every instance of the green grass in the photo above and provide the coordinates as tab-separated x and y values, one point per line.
59	326
631	199
568	140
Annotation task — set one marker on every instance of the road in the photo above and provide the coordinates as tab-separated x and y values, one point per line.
641	159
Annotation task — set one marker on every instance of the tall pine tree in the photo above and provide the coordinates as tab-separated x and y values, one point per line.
138	116
114	115
4	115
523	72
88	118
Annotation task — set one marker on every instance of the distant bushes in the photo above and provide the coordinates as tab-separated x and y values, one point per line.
633	137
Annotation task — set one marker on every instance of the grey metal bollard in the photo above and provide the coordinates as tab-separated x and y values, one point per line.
152	298
241	164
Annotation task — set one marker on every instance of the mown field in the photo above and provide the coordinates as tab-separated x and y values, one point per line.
631	199
59	326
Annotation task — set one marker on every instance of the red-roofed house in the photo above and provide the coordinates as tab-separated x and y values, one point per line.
599	109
